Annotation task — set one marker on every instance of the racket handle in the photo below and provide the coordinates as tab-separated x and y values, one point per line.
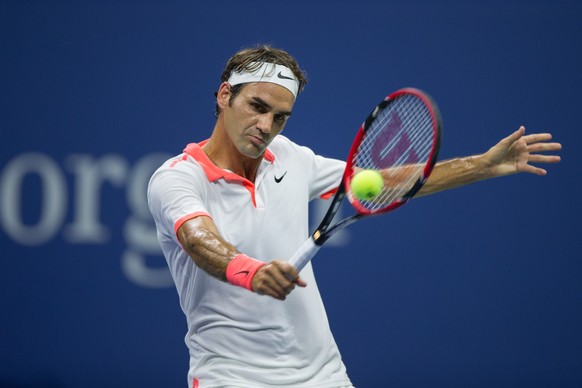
304	254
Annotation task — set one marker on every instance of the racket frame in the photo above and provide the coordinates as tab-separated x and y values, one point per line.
323	231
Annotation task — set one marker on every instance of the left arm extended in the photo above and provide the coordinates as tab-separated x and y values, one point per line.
511	155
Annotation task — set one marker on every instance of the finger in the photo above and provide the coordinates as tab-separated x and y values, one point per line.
285	282
276	293
263	283
300	282
540	147
267	287
535	170
297	280
277	279
514	136
544	159
288	271
537	137
274	290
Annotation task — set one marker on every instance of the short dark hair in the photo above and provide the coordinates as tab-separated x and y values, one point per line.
243	59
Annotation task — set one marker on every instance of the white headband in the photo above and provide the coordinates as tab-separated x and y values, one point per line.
268	72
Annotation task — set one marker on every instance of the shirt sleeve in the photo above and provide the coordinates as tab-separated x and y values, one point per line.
327	176
324	174
176	193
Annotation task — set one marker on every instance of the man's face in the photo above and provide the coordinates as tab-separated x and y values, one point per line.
256	115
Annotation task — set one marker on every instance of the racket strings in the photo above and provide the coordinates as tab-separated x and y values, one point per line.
398	141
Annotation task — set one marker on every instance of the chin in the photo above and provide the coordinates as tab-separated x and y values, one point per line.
253	152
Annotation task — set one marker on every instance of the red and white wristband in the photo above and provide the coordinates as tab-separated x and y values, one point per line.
241	270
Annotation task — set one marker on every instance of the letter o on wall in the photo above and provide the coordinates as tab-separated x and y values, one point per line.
53	197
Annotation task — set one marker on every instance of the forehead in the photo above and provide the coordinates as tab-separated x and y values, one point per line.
275	95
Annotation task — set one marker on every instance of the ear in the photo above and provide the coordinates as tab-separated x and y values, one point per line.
223	95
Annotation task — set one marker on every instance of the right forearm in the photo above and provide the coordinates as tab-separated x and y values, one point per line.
200	238
217	257
208	250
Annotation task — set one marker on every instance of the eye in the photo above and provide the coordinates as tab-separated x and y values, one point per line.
281	118
258	107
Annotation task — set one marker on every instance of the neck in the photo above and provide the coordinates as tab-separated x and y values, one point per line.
224	154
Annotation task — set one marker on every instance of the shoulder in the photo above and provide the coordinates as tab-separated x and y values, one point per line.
283	146
177	170
282	142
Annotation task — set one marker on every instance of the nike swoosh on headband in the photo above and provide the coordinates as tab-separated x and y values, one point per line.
280	75
267	72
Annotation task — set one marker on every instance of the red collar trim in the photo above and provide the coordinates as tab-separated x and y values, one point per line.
214	173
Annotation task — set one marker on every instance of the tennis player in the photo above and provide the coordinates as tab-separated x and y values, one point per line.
230	209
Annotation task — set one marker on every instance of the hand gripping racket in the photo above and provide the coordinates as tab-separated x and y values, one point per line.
400	139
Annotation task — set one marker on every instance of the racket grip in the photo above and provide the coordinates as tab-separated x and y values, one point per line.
304	254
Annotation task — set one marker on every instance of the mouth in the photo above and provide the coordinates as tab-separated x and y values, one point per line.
257	140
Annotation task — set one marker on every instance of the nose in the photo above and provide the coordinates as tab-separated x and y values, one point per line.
265	123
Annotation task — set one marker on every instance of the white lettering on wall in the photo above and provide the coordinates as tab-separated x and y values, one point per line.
142	261
139	230
90	174
53	198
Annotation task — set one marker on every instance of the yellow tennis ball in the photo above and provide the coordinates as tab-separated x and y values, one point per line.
367	184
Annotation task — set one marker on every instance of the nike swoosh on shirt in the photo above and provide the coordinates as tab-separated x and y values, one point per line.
277	180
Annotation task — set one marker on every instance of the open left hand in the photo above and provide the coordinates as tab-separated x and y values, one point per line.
515	153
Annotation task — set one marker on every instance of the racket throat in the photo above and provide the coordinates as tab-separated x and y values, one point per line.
321	235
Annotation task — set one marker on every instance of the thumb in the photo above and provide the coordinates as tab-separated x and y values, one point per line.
514	136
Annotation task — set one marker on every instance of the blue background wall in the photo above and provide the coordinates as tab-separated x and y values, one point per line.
476	287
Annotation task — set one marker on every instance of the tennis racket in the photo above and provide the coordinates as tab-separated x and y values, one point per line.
400	139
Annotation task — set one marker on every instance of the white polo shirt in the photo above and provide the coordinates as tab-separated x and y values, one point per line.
238	338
